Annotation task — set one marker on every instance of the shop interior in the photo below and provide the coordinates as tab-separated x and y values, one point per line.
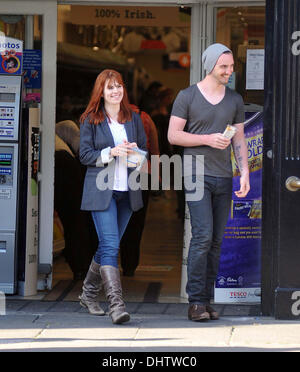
150	61
242	29
154	61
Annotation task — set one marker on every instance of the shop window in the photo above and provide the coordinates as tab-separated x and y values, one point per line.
242	30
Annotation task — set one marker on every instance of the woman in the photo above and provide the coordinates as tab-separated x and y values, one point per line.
109	130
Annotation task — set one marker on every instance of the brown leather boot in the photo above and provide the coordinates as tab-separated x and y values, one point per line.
90	290
113	291
214	315
198	313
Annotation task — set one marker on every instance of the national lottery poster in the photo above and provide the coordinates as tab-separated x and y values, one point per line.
239	276
11	52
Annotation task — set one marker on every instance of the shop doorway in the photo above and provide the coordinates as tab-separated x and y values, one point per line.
240	35
242	29
150	46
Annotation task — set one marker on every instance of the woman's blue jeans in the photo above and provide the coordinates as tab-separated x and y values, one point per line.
110	226
208	221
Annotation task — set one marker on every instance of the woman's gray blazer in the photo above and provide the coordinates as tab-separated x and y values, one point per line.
93	139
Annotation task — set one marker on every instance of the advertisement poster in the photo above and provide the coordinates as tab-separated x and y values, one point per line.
11	52
239	276
28	247
32	67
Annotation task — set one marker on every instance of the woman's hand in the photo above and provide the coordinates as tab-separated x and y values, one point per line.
123	149
130	145
120	150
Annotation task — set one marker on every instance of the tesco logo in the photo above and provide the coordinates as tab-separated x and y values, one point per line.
238	294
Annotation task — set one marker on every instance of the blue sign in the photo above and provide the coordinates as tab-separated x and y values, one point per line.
11	52
239	277
5	171
5	156
32	67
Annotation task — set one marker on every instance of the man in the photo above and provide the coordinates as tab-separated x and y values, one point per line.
199	117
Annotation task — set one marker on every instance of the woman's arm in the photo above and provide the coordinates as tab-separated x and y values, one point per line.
88	155
141	135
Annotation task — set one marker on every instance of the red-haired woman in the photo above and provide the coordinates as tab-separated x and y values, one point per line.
108	132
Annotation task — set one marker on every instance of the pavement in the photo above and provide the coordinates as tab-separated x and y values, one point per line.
65	326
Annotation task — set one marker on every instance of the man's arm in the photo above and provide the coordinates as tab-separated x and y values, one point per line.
241	156
177	136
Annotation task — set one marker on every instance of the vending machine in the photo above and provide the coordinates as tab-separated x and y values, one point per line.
10	119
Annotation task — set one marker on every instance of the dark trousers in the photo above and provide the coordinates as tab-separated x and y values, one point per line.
208	221
131	240
79	232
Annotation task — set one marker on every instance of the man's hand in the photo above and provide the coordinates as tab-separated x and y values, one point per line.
244	186
218	141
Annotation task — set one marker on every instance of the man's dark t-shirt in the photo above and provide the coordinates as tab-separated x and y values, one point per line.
205	118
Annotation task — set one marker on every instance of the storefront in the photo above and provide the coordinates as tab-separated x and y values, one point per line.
239	24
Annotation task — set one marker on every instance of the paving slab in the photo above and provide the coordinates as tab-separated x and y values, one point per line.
66	326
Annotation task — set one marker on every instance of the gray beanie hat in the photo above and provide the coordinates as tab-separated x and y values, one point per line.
211	55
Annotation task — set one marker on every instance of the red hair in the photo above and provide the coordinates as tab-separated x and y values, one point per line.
95	109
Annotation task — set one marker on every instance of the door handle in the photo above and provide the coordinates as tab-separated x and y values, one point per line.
292	183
